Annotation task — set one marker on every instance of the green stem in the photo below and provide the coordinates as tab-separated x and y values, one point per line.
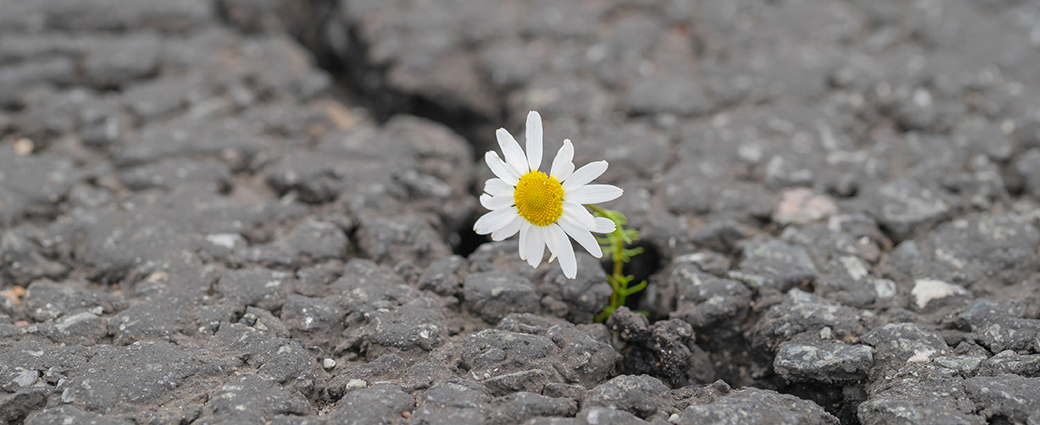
616	242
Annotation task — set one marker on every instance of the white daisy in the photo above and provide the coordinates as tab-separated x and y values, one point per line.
544	208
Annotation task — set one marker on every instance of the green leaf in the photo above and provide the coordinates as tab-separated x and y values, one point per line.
636	288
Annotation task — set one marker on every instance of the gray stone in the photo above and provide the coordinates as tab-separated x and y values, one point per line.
156	98
1027	165
711	305
521	406
804	312
614	145
253	15
15	407
640	395
585	295
366	287
256	287
564	96
629	325
119	61
310	242
502	257
774	264
666	345
441	277
280	67
417	324
113	15
21	46
379	404
966	364
264	321
523	381
157	228
1002	326
492	353
1009	397
404	238
31	185
82	328
27	361
387	367
255	398
826	362
23	258
719	236
899	345
757	406
48	300
928	402
294	420
453	402
313	281
1008	361
493	295
170	174
983	250
907	208
64	111
985	137
595	416
228	140
15	78
70	414
284	360
120	379
316	317
168	295
586	357
668	94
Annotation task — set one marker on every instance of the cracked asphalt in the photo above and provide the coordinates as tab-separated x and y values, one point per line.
261	211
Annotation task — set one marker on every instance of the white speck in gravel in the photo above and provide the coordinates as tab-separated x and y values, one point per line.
926	290
226	240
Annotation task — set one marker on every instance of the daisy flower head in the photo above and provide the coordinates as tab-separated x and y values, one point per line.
547	209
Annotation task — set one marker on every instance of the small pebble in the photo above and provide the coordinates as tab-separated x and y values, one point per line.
328	364
23	146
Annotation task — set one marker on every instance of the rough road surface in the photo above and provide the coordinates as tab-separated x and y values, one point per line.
259	211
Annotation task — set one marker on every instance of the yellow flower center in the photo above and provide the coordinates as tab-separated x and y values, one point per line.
539	198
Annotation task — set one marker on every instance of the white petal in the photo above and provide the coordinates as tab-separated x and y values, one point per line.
572	221
563	249
511	149
584	238
498	187
579	214
496	202
508	230
501	170
535	245
524	228
534	140
550	243
562	165
604	225
584	175
494	220
593	194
